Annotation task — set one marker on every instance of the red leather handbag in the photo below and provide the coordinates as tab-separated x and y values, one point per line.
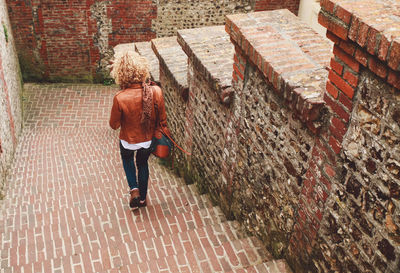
161	143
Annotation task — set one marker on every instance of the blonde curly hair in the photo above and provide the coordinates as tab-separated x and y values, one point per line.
129	67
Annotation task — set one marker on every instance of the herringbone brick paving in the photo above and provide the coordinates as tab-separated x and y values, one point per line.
66	206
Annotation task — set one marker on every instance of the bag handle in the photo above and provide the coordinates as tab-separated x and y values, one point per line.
162	129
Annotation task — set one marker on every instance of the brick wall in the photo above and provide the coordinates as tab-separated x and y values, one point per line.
10	95
71	40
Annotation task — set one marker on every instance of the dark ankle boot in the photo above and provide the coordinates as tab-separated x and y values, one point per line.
134	201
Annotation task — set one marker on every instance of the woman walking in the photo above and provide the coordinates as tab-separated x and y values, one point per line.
133	110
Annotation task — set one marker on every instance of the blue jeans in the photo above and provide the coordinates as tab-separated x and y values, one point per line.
142	155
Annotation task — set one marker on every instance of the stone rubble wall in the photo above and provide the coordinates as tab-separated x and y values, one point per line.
210	55
174	83
280	74
305	150
10	95
69	40
360	231
177	14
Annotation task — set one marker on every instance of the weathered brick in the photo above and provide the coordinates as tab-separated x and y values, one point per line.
348	46
394	79
372	41
336	66
333	37
351	78
394	56
337	109
354	26
347	59
327	5
338	128
362	34
341	84
361	57
332	90
383	48
348	103
333	25
343	14
377	67
85	32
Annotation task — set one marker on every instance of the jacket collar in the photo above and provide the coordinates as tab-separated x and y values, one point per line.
137	85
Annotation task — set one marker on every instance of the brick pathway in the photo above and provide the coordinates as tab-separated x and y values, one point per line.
66	206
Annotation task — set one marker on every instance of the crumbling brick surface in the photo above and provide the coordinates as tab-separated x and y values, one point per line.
173	59
289	54
371	39
211	53
144	49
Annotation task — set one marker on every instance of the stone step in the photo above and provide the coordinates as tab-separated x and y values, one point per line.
26	220
75	192
171	200
71	223
231	255
75	242
274	266
225	257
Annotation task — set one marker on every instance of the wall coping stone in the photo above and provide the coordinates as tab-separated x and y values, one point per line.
372	24
144	49
292	56
211	52
124	47
173	60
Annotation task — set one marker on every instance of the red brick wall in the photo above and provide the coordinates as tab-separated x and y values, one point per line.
292	5
65	40
71	40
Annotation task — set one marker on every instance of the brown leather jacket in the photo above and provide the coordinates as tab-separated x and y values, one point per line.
126	113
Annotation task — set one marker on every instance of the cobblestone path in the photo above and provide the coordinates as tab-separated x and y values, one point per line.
66	205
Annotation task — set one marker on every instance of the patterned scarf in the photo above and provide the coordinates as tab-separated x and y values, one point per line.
147	105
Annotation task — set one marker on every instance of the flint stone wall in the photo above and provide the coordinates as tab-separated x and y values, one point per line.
305	153
173	79
361	227
279	73
10	95
210	55
177	14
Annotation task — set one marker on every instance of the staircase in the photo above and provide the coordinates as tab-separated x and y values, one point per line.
66	207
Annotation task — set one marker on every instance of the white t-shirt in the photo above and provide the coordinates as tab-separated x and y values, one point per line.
135	146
